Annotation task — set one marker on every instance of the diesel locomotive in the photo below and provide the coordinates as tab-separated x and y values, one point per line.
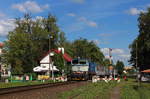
82	69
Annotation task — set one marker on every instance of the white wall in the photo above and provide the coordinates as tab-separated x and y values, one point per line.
45	59
0	51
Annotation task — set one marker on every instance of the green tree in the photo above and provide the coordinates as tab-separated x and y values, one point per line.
59	60
88	50
62	39
51	27
28	42
120	67
107	63
141	45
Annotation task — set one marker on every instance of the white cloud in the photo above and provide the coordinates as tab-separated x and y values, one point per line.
104	34
71	14
84	20
30	6
134	11
125	56
6	26
117	51
148	5
107	57
114	51
97	42
2	14
46	6
92	23
105	50
117	54
39	18
88	22
78	1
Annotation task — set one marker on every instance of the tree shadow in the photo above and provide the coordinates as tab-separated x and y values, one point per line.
135	87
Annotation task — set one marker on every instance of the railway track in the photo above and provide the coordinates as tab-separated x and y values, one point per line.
10	90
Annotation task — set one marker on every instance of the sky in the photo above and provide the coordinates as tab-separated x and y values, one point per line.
109	23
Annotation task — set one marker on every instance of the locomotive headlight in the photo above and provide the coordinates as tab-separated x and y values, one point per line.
78	68
85	72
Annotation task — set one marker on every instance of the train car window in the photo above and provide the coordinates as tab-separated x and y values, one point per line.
44	66
82	62
75	61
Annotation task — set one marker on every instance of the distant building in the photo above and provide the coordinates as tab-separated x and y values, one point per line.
128	67
112	70
4	69
1	45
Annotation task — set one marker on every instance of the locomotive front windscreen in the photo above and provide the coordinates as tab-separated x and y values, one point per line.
75	62
82	62
79	62
80	65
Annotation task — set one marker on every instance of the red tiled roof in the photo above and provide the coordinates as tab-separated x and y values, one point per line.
65	55
1	44
146	71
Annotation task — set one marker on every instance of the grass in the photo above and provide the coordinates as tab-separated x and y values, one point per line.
15	84
100	90
131	90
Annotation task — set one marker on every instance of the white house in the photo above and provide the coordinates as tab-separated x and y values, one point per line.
46	64
1	45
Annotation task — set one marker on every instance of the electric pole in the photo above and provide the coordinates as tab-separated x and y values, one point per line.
137	69
110	56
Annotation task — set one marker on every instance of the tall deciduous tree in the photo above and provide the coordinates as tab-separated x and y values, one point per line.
107	63
88	49
29	41
120	67
140	48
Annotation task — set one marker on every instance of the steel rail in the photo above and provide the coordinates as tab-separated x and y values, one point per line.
31	87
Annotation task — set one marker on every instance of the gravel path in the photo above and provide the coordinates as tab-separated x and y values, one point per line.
115	93
45	93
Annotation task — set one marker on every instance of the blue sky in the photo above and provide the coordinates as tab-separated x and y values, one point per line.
110	23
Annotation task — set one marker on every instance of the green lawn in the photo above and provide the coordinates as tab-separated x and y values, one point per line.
14	84
131	90
99	90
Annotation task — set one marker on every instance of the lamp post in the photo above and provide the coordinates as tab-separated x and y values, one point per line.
0	66
110	60
49	56
51	61
49	48
62	51
0	72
